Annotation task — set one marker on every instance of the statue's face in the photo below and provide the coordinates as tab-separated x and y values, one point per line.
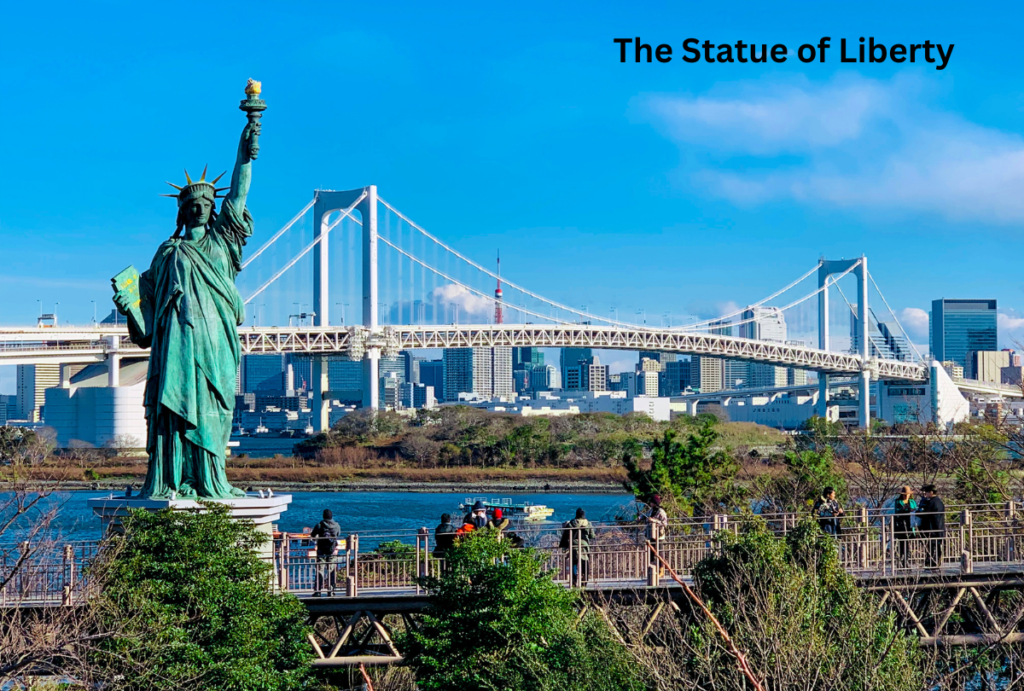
198	212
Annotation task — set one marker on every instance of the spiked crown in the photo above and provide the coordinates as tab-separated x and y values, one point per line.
200	188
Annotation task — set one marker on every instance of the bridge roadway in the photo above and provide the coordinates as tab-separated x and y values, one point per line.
68	345
982	555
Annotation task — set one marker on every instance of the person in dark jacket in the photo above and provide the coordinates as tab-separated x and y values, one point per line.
903	525
479	518
326	533
444	536
933	525
829	512
576	537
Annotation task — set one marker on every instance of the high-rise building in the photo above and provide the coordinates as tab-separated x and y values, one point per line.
432	374
647	382
796	376
763	324
676	378
986	365
734	372
960	326
416	396
302	371
412	367
658	356
767	376
543	378
572	356
482	371
588	375
390	391
32	382
706	373
526	358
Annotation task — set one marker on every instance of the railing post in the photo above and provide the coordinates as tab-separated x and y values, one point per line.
421	556
69	574
352	580
653	565
1011	510
966	542
282	563
862	541
25	583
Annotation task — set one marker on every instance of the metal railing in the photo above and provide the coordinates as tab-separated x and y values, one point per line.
871	543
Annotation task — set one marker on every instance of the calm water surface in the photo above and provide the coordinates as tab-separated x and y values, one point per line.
356	511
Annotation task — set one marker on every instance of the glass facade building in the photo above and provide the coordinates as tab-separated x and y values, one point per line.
960	326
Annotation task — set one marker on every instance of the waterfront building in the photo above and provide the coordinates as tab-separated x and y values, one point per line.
483	372
262	372
575	402
960	326
706	373
32	383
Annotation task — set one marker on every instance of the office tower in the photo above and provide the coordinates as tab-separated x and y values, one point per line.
764	376
960	326
392	365
676	377
588	375
543	378
32	382
734	372
796	376
658	356
569	357
647	382
263	372
706	373
482	371
526	358
417	396
763	324
521	381
302	367
390	391
986	365
432	374
345	379
412	367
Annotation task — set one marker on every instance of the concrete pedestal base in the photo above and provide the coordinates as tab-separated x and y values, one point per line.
262	511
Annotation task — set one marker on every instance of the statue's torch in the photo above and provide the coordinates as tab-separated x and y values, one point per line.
253	106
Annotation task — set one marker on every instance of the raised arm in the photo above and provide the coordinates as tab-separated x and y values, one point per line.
241	176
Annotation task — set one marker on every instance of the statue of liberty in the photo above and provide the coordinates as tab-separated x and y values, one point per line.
186	310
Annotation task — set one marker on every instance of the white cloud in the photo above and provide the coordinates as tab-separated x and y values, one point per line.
915	321
850	142
1011	330
469	304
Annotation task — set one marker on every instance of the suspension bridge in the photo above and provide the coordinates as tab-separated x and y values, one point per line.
332	254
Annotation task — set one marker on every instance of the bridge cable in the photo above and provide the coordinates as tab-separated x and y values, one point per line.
305	250
278	234
505	281
898	323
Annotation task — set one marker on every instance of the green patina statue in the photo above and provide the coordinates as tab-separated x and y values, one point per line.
186	310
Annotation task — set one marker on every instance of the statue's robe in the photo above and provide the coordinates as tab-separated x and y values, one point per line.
193	310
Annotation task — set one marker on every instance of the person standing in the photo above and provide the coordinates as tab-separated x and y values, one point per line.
829	512
903	525
576	537
444	536
326	533
933	525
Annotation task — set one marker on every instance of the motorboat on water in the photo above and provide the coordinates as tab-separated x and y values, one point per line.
533	513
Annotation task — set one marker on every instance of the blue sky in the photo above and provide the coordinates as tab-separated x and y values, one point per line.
670	187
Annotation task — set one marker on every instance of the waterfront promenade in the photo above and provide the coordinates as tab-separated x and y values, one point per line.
982	553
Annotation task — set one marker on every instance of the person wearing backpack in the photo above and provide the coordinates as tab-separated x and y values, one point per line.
326	533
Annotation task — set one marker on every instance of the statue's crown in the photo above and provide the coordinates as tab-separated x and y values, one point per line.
200	188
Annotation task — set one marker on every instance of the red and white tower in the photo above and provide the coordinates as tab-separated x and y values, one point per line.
499	318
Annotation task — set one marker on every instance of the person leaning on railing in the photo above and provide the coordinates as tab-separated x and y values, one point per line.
444	536
933	525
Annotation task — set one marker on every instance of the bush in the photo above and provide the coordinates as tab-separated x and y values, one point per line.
208	617
498	622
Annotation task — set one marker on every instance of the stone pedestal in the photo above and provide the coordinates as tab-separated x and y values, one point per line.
262	511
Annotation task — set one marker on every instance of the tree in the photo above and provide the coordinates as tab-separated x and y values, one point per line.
694	474
497	621
799	617
808	472
208	618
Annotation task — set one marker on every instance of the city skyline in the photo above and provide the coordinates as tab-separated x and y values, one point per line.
581	155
